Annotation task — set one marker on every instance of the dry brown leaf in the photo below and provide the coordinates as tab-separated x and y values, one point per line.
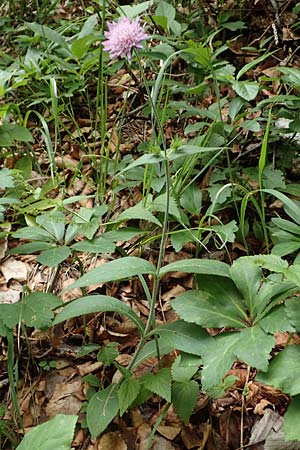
190	438
112	441
168	431
10	296
160	443
143	433
86	368
14	269
65	399
71	294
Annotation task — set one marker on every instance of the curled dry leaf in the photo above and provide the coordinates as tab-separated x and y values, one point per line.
13	269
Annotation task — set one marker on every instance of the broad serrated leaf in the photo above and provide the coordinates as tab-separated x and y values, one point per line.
97	245
97	303
102	409
159	383
283	371
117	269
221	307
247	277
183	372
248	90
54	256
140	213
254	347
197	266
292	308
184	336
218	358
184	398
108	353
277	321
291	421
36	309
127	393
55	434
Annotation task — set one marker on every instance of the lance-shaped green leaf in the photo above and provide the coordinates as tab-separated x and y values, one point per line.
220	307
254	347
247	278
102	409
197	266
184	336
283	371
115	270
97	303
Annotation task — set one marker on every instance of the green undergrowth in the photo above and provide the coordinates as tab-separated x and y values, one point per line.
216	168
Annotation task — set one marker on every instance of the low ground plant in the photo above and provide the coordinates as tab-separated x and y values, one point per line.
206	173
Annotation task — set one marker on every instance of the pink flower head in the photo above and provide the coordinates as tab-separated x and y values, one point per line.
123	36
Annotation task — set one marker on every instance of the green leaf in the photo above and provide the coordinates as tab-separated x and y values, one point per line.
291	76
132	11
117	269
55	434
286	225
183	370
271	262
285	248
17	132
34	233
254	347
150	350
145	159
248	90
97	303
159	383
108	353
277	321
32	247
197	266
283	371
54	223
218	358
184	336
138	212
6	180
36	309
102	409
219	307
220	389
191	199
97	245
291	421
49	34
54	256
292	308
184	398
247	278
127	393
